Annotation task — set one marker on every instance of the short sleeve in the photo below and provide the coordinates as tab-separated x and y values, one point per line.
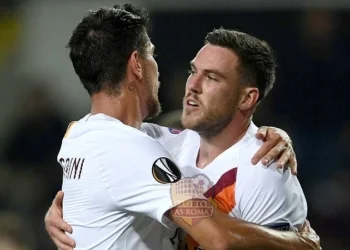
270	197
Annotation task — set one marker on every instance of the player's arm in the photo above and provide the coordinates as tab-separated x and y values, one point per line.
246	235
208	232
56	226
151	187
239	235
277	144
149	193
306	239
273	198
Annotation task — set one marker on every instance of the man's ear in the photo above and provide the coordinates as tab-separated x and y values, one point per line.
249	98
135	65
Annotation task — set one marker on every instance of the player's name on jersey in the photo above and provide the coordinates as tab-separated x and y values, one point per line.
72	167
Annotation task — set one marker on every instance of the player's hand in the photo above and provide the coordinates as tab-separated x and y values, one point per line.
56	226
310	234
277	147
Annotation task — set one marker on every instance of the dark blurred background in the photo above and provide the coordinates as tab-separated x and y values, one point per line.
40	95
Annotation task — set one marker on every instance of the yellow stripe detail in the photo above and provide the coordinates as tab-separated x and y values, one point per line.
69	128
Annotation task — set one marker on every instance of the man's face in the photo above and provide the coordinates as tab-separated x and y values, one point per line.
150	76
212	92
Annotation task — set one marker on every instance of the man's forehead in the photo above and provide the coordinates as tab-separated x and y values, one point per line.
215	56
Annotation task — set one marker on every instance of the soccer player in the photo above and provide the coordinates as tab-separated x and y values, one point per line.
229	77
117	180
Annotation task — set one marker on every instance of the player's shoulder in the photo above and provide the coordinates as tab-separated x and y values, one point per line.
108	133
158	129
185	141
245	154
142	155
248	145
129	145
101	123
137	145
160	133
250	140
135	142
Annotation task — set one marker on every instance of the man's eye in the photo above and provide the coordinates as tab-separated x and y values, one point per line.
212	78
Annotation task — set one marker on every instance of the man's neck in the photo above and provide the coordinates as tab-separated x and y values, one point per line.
124	107
210	148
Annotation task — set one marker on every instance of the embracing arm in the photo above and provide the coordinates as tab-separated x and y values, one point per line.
277	144
275	199
237	234
56	226
244	235
223	232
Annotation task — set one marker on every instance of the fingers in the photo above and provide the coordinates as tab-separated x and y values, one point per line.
56	226
269	151
275	152
284	158
277	147
271	137
308	232
53	219
62	225
312	238
261	134
306	227
60	245
60	238
315	239
293	163
288	156
263	151
58	199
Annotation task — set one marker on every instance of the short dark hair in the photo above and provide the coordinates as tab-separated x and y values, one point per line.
103	42
256	58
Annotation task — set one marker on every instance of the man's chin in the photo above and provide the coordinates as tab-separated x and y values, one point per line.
154	111
188	123
151	116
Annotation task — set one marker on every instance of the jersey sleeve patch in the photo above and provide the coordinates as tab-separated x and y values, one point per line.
175	131
165	171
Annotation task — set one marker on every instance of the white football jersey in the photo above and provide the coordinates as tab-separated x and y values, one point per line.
254	193
159	133
117	185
